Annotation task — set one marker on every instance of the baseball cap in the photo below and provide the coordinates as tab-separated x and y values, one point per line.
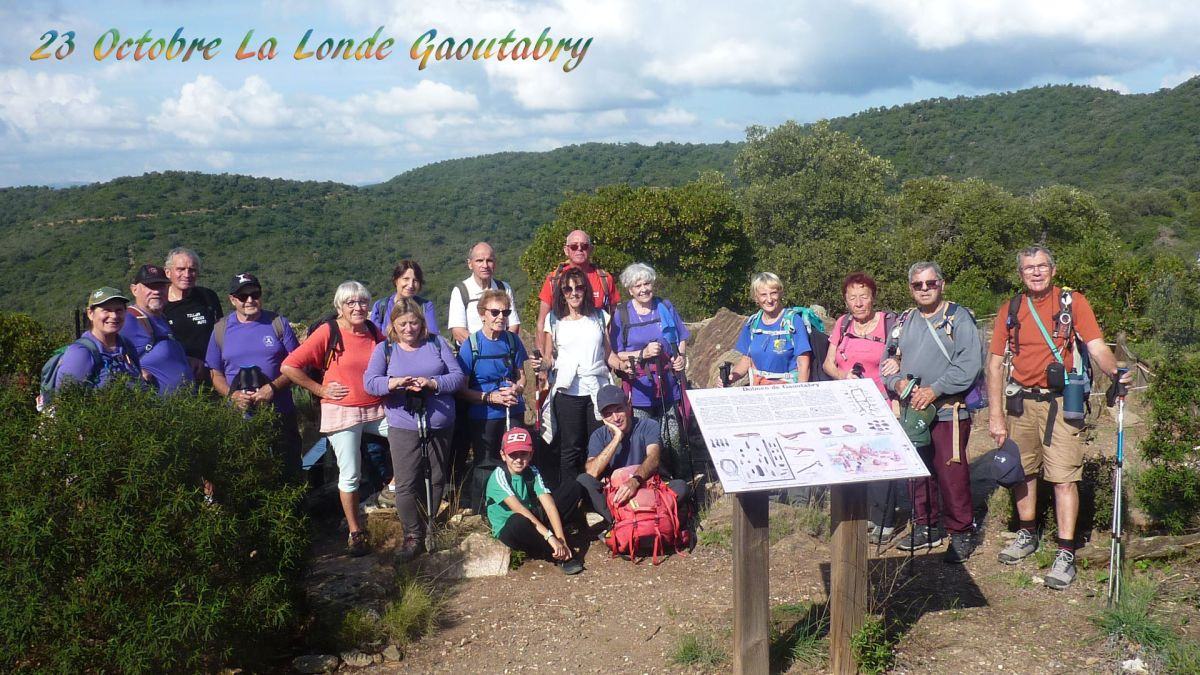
610	394
150	274
104	294
515	441
241	281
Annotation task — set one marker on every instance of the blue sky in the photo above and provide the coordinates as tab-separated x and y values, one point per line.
669	71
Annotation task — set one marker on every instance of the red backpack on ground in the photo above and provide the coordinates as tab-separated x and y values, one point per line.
649	519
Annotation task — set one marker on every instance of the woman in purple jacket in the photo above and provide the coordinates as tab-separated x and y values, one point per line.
412	369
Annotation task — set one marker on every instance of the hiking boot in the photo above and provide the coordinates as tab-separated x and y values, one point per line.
572	566
357	544
410	548
925	536
1022	547
962	545
1062	572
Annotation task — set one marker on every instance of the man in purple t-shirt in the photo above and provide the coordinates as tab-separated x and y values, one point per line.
254	343
161	355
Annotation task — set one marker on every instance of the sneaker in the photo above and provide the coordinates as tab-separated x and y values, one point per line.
1062	572
880	535
1022	547
357	544
962	545
926	536
410	548
572	566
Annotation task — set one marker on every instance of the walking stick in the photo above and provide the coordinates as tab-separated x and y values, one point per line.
1116	552
422	416
723	371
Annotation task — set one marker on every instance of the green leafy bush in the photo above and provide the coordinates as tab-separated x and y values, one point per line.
691	235
24	347
110	559
872	646
1169	489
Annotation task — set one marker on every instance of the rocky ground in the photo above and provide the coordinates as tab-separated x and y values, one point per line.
620	617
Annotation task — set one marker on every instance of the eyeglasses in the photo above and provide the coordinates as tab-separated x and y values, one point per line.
356	303
497	312
926	285
579	247
571	290
1040	267
254	295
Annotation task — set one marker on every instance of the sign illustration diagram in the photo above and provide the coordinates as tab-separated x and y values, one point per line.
796	435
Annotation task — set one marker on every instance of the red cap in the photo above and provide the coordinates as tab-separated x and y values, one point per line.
516	440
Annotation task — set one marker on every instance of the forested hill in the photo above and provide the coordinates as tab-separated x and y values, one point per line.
303	238
1082	136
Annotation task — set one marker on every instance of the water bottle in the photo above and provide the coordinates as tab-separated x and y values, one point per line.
1073	397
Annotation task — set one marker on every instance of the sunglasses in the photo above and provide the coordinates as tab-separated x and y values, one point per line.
255	295
569	290
497	312
926	285
579	247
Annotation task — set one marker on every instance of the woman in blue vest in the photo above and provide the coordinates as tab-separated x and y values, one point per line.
774	342
493	359
650	339
408	279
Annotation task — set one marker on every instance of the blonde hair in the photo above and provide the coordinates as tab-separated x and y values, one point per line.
763	279
407	306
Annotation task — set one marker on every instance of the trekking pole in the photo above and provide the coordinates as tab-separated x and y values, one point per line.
1115	552
507	381
723	371
423	442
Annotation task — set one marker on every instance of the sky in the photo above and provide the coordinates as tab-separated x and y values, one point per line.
694	71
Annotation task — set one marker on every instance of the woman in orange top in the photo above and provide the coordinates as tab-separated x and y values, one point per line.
347	410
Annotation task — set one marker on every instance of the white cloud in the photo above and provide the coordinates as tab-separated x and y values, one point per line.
1172	80
207	113
672	117
426	97
60	108
1109	83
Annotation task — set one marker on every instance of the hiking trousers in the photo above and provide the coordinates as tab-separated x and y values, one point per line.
576	420
945	495
521	535
485	437
410	475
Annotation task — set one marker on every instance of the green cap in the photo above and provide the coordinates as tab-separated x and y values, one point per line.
916	423
104	294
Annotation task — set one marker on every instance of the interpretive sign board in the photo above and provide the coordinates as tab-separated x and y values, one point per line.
797	435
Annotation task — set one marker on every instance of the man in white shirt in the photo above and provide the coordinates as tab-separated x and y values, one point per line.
463	318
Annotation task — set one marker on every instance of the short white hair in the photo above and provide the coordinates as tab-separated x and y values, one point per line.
350	290
175	252
636	274
764	279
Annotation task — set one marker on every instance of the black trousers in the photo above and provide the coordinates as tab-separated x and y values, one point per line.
484	438
576	420
287	448
519	534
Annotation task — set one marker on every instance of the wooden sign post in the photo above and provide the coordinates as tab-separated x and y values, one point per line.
847	573
751	591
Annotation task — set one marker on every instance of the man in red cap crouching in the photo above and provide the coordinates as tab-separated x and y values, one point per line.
523	513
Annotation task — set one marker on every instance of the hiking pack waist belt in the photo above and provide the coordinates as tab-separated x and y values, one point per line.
1039	394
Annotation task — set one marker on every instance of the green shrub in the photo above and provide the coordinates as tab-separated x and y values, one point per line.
872	646
414	614
358	627
1169	489
112	561
24	347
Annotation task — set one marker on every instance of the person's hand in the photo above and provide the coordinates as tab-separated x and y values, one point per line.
922	397
849	375
504	397
241	400
264	394
618	435
627	491
1126	378
535	363
395	383
651	350
421	383
334	391
678	363
889	367
901	385
996	426
561	551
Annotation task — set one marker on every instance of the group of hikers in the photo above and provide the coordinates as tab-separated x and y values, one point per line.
611	375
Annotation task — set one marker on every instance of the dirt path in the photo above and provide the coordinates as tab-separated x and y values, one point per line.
618	617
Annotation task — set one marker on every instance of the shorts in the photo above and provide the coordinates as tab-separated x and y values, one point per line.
1062	461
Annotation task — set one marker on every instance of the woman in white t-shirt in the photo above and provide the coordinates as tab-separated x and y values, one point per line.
579	367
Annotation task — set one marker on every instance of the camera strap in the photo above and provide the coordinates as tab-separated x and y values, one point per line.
1045	333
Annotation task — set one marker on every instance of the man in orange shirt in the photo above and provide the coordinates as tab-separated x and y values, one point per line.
605	295
1032	415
